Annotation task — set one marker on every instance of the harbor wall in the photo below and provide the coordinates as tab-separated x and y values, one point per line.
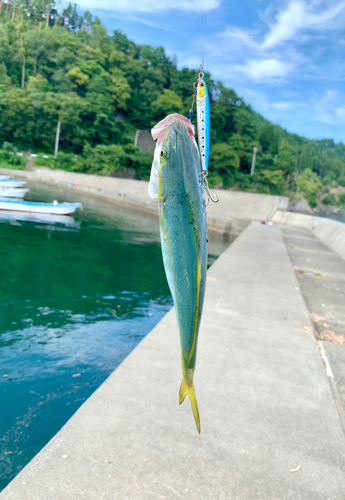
230	216
330	232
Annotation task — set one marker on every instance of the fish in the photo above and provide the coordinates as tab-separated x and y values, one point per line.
176	181
203	121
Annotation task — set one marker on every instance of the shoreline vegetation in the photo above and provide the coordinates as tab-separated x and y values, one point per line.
63	66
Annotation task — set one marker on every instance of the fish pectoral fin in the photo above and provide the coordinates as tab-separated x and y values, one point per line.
187	389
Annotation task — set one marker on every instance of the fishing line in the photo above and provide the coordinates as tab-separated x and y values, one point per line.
203	120
201	73
206	33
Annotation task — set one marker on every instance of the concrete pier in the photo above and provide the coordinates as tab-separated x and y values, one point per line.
321	275
331	232
270	426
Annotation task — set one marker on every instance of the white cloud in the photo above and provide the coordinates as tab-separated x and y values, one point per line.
288	22
265	69
281	106
299	15
328	109
150	5
340	112
330	94
325	118
241	37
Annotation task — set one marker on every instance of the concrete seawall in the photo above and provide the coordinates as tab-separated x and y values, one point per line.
270	427
331	232
231	216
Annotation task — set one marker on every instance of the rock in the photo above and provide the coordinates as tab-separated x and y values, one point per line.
331	212
301	206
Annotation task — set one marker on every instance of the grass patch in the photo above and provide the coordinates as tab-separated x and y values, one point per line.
5	164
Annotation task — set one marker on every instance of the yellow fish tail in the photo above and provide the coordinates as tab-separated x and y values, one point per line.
187	389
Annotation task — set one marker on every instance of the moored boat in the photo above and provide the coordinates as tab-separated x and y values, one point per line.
12	183
4	177
54	208
13	192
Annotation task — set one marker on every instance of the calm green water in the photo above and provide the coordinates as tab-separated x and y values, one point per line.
75	299
337	218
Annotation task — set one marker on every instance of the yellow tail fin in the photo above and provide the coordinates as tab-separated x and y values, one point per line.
187	388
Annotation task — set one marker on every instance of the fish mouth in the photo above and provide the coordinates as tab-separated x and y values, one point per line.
176	134
178	123
175	122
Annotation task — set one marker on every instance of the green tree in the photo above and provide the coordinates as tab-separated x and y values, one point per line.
309	184
65	108
37	44
329	199
268	139
18	117
79	79
307	157
168	102
71	18
4	78
244	122
120	89
286	158
273	180
341	199
224	162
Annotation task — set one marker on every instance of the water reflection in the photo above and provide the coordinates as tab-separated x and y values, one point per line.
40	221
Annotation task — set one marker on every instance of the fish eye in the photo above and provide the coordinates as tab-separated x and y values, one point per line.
162	154
202	84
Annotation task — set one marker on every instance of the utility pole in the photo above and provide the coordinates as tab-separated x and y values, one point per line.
136	137
23	72
255	150
57	139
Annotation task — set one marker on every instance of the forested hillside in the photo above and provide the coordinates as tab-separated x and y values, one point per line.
103	87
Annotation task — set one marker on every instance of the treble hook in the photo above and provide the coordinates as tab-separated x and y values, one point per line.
209	194
207	189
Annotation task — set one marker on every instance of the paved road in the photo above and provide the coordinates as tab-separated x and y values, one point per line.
270	427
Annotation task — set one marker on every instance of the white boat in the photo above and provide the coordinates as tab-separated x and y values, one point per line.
12	183
33	207
13	192
4	177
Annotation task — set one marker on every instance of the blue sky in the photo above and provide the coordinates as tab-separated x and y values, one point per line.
285	58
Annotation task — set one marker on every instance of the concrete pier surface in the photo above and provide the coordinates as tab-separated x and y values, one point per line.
331	232
230	216
270	426
321	275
